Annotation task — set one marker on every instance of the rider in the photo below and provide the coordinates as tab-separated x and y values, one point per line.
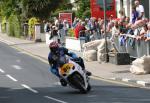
57	57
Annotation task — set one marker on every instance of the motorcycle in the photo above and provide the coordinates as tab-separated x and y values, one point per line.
75	76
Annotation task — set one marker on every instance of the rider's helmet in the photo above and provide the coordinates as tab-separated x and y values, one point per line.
53	46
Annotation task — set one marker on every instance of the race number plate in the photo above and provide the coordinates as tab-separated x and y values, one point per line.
66	68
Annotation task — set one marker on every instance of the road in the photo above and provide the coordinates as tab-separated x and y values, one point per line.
25	79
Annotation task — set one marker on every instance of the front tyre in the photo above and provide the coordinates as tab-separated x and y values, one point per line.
78	82
89	87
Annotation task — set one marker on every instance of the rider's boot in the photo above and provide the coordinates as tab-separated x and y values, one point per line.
88	73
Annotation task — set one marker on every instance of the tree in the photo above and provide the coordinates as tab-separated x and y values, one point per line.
83	5
7	7
30	8
40	8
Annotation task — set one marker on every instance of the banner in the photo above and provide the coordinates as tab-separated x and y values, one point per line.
97	9
66	16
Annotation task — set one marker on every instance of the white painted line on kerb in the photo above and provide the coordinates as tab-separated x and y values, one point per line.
29	88
2	71
12	78
51	98
141	82
125	79
6	41
16	67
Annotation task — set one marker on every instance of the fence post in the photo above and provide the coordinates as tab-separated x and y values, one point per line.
148	48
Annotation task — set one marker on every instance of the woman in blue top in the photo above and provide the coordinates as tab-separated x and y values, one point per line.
134	15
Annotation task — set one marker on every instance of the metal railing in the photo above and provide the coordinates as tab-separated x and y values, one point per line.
136	48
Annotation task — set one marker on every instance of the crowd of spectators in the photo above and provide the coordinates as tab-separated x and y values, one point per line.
92	28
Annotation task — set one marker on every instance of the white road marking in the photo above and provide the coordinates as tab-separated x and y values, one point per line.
29	88
57	83
91	96
60	101
12	78
2	71
16	67
21	52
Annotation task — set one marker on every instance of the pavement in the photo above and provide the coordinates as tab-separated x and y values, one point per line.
107	71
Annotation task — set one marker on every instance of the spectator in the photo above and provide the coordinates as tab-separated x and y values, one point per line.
122	27
91	24
135	15
47	27
65	27
127	20
147	36
80	29
74	24
122	16
59	26
115	31
56	20
139	9
54	33
143	32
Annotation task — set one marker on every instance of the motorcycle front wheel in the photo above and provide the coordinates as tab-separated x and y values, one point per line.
78	82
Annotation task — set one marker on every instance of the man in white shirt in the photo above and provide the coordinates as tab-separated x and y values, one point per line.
139	9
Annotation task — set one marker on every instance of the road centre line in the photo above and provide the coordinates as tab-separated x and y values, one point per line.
51	98
29	88
2	71
12	78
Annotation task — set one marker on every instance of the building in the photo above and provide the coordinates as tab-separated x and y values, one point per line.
126	5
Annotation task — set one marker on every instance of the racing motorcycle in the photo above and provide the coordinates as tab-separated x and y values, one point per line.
75	76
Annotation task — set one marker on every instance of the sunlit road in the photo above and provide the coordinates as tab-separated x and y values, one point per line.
24	79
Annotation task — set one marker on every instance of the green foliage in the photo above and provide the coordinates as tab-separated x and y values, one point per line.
86	14
40	8
9	7
66	5
31	24
3	24
83	6
14	28
30	8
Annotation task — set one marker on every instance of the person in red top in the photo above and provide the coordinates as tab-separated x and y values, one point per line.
80	29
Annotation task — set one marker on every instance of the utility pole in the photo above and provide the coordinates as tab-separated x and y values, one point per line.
105	35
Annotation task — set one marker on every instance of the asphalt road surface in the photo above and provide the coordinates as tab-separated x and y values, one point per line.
24	79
